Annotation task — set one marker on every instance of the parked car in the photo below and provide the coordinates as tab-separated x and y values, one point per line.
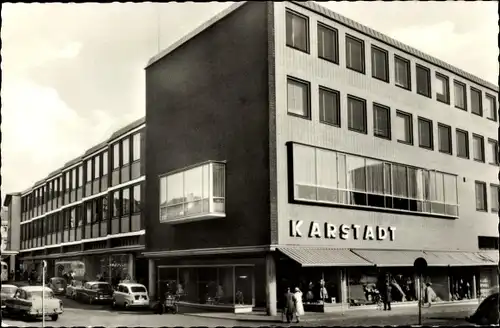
487	312
58	285
72	288
130	295
27	301
7	291
95	291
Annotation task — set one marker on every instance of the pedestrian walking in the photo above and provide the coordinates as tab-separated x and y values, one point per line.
289	309
387	293
299	306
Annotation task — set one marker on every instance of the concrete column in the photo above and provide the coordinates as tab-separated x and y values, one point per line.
152	278
344	295
12	263
474	286
131	266
271	299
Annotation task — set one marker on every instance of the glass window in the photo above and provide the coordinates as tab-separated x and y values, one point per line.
478	148
326	168
193	190
404	127
490	107
298	98
188	286
72	218
97	167
481	204
356	114
399	180
136	146
462	144
104	204
88	213
68	181
163	191
304	160
73	178
450	189
125	151
356	173
125	202
355	54
243	284
444	135
116	204
80	175
415	183
425	139
375	176
423	81
460	95
402	71
116	155
381	121
380	64
493	152
89	170
105	163
476	101
329	106
136	205
175	195
494	198
442	88
328	43
297	31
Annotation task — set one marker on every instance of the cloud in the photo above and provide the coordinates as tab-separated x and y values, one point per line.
70	50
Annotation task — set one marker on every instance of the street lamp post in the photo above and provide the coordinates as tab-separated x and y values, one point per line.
44	264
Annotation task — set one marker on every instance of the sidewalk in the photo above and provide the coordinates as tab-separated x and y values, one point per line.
352	313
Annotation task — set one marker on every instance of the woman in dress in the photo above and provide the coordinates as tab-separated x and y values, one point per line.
299	306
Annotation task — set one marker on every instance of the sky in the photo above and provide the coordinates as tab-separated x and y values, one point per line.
72	74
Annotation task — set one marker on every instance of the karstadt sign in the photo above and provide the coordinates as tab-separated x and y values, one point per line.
344	231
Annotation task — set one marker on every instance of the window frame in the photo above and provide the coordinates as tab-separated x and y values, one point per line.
464	89
389	123
494	109
386	54
335	60
495	210
363	64
408	66
481	112
429	82
467	149
307	32
485	190
431	133
474	135
337	93
450	141
308	93
490	141
400	113
365	125
447	88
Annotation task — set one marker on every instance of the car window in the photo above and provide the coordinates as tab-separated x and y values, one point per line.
103	286
8	289
138	289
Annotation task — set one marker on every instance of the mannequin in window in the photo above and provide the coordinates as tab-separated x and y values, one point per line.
310	294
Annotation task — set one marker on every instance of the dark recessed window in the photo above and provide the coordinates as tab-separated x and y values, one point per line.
478	148
442	88
481	201
404	127
381	121
462	143
492	152
494	198
298	98
328	43
356	109
355	54
380	64
460	95
329	106
423	81
490	107
402	72
444	136
476	102
425	137
297	31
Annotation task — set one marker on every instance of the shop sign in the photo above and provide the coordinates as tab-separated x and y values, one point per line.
344	231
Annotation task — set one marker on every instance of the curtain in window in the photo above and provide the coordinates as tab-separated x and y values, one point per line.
400	181
459	96
304	161
356	173
375	176
401	73
297	98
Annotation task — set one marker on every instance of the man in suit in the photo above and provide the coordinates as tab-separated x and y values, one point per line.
289	305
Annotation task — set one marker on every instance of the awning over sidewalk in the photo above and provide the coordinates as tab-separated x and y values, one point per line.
456	259
387	258
491	255
323	256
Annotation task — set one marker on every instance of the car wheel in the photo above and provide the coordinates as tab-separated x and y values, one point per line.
90	300
54	317
113	304
126	305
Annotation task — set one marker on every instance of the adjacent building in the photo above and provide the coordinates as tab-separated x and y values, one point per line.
87	216
9	235
289	146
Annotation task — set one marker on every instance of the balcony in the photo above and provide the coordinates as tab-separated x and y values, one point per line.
200	197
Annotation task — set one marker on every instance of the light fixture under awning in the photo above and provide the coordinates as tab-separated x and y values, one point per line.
323	256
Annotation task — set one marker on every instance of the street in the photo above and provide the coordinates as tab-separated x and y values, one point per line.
77	314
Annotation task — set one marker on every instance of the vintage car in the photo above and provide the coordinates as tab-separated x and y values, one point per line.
72	288
58	285
487	313
8	291
27	301
130	295
94	292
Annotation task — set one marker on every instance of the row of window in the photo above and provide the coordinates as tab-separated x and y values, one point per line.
125	151
482	197
297	36
298	104
326	176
